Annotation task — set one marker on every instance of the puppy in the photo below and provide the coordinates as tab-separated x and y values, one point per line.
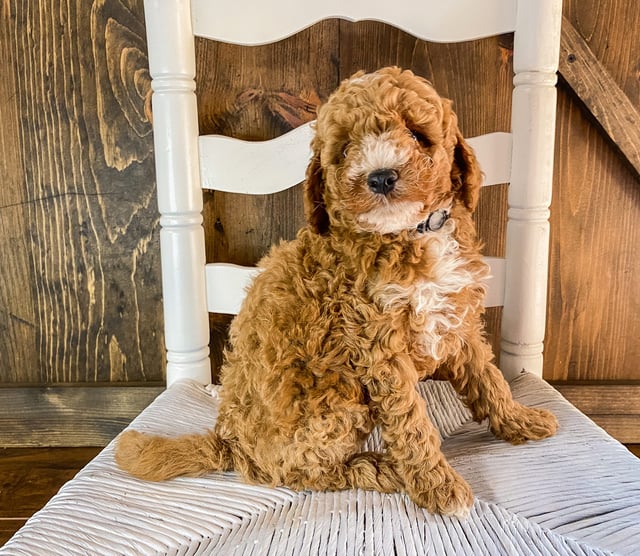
381	289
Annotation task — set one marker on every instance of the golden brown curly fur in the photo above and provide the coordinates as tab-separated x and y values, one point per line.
343	322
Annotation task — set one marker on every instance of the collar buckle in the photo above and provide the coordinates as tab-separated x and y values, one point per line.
434	221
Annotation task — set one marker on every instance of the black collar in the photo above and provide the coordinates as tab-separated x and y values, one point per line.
434	221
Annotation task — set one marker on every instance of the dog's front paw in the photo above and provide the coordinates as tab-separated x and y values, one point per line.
443	491
525	423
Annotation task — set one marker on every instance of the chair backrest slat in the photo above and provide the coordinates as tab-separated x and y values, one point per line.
227	285
264	167
266	22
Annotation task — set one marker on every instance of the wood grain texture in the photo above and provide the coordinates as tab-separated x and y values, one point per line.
69	415
593	316
623	428
593	312
613	406
30	477
609	28
593	324
601	95
81	294
602	399
8	527
17	312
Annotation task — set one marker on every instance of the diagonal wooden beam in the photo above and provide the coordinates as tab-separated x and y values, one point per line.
602	96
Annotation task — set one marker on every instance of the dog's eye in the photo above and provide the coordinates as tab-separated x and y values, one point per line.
420	138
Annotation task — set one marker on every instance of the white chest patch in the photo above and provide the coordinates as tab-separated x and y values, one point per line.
432	301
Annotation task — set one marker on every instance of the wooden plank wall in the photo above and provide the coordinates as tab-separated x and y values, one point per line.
592	349
80	284
80	287
594	316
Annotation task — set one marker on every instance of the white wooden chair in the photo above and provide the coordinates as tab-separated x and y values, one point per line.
576	493
189	162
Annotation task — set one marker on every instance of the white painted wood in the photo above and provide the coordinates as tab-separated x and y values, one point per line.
493	152
262	22
255	167
537	39
175	126
264	167
536	47
495	282
227	285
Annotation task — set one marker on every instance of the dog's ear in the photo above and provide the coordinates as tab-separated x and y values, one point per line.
314	206
466	176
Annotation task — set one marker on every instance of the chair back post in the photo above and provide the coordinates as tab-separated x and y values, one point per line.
175	130
535	62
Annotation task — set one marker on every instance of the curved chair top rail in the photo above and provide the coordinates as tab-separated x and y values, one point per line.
266	22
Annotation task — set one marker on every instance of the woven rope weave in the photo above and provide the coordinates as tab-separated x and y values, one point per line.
576	493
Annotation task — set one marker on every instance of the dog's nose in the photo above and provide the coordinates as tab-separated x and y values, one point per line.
382	181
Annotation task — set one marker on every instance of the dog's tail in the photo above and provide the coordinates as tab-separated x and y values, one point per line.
157	458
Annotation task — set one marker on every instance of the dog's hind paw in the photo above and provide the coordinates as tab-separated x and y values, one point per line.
525	423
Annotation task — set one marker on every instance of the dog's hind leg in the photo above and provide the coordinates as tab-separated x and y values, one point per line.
156	458
488	396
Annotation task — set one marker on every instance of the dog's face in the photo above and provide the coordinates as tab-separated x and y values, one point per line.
387	153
